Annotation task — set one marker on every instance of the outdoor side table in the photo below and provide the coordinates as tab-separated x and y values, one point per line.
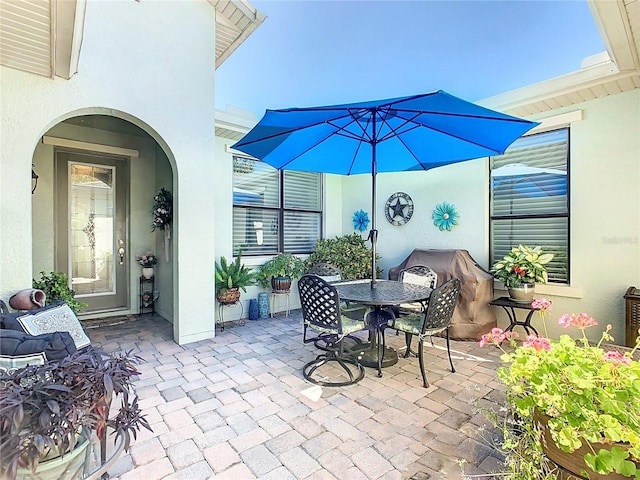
509	305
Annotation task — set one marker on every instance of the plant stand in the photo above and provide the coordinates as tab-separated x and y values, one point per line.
276	294
147	284
222	306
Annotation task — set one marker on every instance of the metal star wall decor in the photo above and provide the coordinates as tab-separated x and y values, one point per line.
399	208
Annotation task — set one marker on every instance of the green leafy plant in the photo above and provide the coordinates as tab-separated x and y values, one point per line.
282	265
43	408
349	253
55	286
522	264
233	275
589	393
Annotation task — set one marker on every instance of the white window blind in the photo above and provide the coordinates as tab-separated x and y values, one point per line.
275	211
529	199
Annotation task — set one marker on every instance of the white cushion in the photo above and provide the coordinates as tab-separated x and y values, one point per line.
57	318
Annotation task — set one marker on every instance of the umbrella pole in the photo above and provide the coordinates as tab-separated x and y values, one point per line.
373	234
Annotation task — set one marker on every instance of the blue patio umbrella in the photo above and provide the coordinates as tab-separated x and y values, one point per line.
412	133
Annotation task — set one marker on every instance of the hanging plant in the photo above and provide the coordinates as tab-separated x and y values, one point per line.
445	216
162	210
360	220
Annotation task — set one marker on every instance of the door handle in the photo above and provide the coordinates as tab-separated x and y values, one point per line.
121	251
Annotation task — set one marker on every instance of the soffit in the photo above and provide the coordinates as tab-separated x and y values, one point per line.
44	36
617	71
25	35
235	21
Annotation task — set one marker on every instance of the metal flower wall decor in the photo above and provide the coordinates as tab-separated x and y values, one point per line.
360	220
445	216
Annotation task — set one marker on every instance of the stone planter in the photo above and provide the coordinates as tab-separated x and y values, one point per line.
573	461
523	293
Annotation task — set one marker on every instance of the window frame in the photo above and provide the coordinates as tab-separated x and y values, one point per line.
280	210
534	216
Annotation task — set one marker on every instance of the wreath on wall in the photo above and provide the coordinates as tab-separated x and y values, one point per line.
163	216
162	210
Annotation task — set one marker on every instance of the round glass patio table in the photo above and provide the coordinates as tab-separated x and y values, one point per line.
386	294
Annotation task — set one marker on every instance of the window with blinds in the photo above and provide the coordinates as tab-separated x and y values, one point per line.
530	199
274	211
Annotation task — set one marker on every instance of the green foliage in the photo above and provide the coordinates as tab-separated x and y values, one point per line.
282	265
349	253
590	395
233	275
55	285
522	264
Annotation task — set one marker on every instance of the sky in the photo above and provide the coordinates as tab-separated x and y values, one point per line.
323	52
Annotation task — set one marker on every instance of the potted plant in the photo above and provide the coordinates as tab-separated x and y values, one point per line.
230	278
53	409
349	253
280	271
55	286
147	261
521	269
581	397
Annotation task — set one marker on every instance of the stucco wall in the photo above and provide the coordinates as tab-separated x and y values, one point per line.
129	63
462	184
605	209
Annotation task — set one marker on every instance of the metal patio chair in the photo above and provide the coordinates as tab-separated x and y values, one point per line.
321	311
436	319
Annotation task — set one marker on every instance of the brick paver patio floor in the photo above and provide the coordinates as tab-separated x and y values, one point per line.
237	407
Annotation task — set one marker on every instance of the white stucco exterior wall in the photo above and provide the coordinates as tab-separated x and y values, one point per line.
154	61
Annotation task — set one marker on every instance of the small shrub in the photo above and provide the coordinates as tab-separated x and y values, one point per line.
55	286
349	253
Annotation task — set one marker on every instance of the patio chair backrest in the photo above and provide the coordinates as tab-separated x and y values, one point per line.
327	271
442	303
420	275
320	304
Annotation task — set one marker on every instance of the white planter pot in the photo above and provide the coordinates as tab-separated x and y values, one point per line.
523	293
68	467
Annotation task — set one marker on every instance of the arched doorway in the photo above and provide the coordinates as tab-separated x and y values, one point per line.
98	174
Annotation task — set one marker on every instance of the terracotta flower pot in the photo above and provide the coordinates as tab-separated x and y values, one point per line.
28	299
574	461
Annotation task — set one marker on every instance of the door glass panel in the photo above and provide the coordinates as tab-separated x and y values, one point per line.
91	210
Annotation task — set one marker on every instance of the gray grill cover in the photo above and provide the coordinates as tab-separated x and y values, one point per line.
473	315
